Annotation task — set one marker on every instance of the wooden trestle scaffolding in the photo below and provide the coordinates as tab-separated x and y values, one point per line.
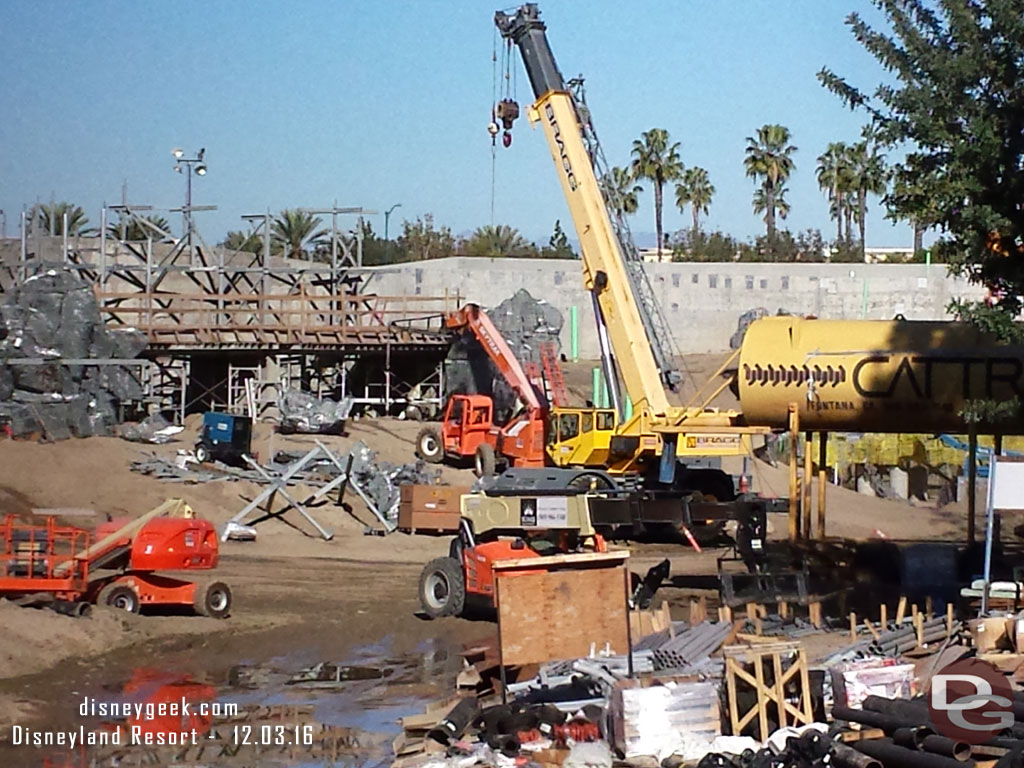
231	329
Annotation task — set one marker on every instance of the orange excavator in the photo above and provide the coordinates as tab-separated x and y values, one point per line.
468	430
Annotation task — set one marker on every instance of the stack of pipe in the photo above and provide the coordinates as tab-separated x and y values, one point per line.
903	638
912	738
691	647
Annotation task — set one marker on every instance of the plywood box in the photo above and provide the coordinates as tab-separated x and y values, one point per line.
430	508
562	606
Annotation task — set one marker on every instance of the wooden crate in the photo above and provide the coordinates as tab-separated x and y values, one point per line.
561	606
430	508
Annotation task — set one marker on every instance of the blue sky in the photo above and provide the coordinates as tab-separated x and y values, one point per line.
375	103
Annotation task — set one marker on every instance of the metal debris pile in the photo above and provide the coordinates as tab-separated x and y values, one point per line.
153	429
376	482
58	377
302	412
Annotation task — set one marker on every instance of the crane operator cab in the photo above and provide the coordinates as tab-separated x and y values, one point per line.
580	436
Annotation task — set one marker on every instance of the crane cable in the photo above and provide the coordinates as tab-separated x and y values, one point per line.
494	102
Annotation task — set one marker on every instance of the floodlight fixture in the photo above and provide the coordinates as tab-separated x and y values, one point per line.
188	165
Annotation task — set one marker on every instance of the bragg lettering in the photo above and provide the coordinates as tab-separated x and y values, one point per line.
570	177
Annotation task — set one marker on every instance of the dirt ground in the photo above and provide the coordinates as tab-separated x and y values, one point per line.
296	595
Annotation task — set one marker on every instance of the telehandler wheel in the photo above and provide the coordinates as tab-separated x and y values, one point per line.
119	596
429	446
212	600
442	588
484	461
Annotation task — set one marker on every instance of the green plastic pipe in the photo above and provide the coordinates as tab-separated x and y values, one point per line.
604	392
595	376
574	333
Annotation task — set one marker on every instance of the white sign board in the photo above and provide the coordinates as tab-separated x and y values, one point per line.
552	512
1009	488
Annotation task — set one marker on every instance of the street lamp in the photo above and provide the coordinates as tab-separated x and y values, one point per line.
387	216
190	164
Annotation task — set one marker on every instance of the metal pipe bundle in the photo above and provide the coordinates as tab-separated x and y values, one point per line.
692	646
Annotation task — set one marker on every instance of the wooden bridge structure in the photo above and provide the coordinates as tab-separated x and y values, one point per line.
231	329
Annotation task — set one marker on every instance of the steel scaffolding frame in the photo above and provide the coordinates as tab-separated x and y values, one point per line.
244	305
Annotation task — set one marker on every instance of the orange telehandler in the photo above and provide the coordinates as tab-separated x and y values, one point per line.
468	430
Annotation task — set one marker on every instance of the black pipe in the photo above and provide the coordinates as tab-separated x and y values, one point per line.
898	757
912	738
940	745
455	722
905	708
847	757
886	722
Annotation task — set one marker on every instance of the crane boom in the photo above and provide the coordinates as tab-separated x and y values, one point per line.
604	268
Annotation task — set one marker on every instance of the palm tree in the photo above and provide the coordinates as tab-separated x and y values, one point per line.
294	233
50	218
868	175
833	174
236	240
138	228
774	202
769	157
695	190
499	241
656	160
621	190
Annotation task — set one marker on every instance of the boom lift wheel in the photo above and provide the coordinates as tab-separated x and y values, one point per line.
484	461
212	600
119	596
442	588
429	446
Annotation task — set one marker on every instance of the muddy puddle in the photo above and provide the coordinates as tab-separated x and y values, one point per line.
290	710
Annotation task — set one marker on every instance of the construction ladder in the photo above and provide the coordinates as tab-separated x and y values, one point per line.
553	374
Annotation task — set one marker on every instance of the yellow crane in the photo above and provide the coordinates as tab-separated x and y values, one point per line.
658	435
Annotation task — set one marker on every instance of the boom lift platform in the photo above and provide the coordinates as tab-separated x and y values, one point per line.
532	515
117	564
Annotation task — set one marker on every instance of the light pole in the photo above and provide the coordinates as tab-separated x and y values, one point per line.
387	216
200	170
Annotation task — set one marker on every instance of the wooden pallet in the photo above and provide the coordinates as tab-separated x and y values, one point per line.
775	666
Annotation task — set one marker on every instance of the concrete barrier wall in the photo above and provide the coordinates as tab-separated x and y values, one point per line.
702	301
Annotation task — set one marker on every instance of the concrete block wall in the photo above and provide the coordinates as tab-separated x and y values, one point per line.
703	301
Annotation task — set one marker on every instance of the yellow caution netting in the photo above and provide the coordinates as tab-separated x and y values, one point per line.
892	450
